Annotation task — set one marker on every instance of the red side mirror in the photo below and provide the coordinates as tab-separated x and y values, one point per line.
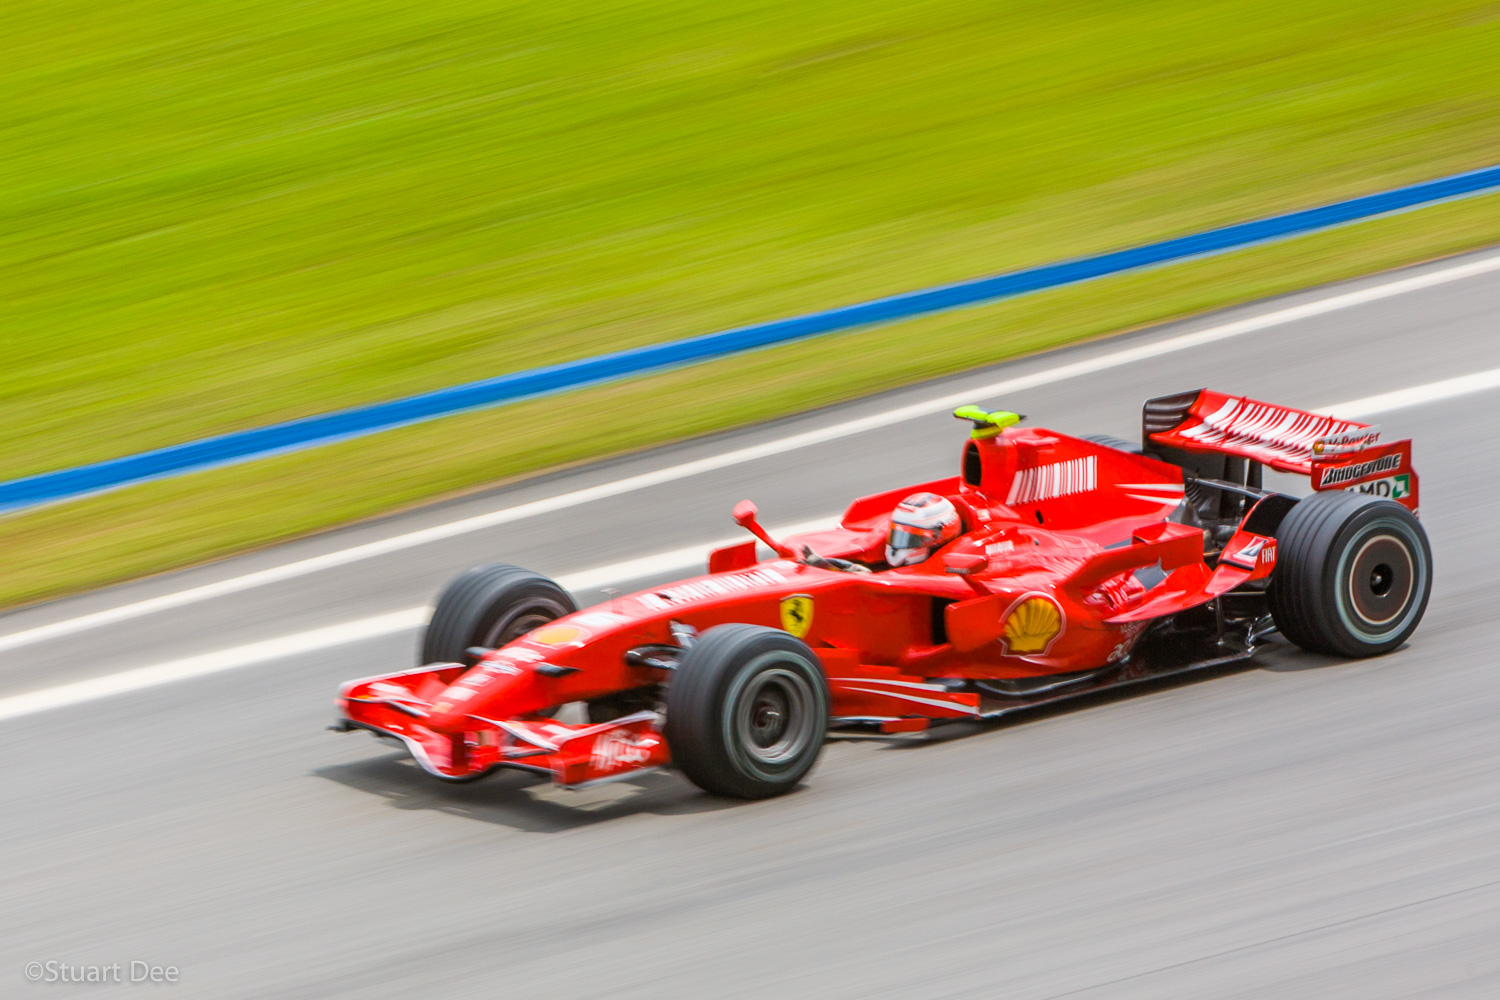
744	516
965	563
744	513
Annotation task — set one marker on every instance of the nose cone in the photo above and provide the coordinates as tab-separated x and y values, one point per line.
485	690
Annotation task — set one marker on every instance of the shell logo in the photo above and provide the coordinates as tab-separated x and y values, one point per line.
558	635
1031	625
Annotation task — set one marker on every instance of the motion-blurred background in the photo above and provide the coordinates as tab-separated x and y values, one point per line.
222	213
218	214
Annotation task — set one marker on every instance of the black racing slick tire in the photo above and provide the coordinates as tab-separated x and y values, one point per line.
747	711
490	606
1113	442
1352	577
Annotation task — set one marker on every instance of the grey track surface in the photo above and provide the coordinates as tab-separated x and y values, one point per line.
1304	828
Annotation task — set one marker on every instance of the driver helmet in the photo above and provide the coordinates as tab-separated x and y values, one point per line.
920	525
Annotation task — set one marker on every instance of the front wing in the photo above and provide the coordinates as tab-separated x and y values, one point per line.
394	706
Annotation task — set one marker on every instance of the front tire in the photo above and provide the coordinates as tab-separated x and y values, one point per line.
490	606
1353	574
747	711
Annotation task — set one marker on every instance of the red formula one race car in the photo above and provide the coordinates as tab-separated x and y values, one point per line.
1051	566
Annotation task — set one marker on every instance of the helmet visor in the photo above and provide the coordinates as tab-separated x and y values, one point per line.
904	536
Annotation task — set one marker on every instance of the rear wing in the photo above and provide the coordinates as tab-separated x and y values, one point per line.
1335	454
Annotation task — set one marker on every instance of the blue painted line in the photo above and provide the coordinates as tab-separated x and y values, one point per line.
192	456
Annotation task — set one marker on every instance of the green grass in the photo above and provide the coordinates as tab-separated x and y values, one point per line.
217	214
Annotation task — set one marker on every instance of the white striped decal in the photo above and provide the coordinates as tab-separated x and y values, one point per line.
1059	479
1271	432
1167	494
955	706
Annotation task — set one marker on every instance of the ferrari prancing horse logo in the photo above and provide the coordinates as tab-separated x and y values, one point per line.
796	614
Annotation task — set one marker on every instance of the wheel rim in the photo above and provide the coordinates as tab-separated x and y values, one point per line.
1383	574
773	722
1381	579
507	630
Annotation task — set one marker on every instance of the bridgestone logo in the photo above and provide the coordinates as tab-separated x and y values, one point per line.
1348	473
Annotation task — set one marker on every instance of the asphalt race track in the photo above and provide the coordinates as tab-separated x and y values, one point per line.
1305	828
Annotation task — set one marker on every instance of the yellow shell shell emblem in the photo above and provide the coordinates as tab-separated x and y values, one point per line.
796	614
558	635
1031	625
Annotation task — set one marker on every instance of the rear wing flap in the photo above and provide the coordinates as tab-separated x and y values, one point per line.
1334	453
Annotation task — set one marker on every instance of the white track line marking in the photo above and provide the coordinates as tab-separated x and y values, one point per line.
1417	395
127	681
203	664
739	456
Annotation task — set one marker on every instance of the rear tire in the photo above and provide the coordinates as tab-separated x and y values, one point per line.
747	711
1353	574
490	606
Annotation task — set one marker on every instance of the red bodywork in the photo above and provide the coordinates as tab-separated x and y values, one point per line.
1069	551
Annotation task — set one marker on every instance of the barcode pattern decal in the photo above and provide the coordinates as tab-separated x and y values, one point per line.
1060	479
